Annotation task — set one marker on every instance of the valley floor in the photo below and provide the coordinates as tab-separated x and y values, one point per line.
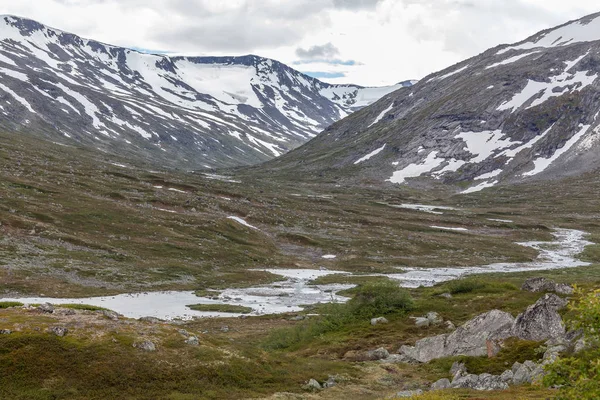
77	224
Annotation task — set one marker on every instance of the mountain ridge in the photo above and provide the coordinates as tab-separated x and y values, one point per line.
190	112
515	112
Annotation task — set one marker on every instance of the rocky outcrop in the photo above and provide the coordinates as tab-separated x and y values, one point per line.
59	331
546	285
471	339
541	321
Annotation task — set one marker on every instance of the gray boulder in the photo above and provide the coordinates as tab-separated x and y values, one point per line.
528	372
59	331
46	308
507	376
5	332
110	315
378	321
146	345
441	384
446	295
546	285
422	322
458	369
465	382
434	318
490	382
378	354
312	385
471	339
541	321
192	341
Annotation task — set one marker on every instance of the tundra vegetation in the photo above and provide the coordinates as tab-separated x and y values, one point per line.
73	224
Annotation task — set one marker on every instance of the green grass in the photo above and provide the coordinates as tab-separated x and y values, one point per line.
226	308
8	304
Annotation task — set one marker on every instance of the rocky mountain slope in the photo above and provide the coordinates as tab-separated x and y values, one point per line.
513	113
189	112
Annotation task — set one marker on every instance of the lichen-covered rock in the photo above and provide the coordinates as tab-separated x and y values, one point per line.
490	382
145	345
378	321
408	393
59	331
46	308
434	318
465	382
507	376
541	321
441	384
471	339
312	384
546	285
378	354
527	372
422	322
192	340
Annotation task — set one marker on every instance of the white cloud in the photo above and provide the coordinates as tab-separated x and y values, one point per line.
390	40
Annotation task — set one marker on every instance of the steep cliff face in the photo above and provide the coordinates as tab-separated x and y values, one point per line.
516	112
181	111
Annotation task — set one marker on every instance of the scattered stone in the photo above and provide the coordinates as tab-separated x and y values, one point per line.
46	308
192	341
59	331
184	333
434	318
380	320
450	326
5	331
312	385
298	318
446	295
331	382
441	384
580	345
409	393
422	322
110	315
546	285
378	354
64	311
225	329
146	345
541	321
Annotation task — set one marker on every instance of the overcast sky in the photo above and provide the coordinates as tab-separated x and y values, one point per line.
367	42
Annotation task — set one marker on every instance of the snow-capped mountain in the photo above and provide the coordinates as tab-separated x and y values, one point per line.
516	112
179	111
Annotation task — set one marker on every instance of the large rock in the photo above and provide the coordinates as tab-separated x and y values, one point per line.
146	345
471	339
546	285
46	308
441	384
465	382
541	321
378	354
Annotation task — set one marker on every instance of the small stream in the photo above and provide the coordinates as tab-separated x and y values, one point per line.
293	293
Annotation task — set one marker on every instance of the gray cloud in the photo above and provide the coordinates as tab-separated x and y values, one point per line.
326	51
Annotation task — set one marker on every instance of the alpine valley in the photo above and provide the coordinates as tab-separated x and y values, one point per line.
437	240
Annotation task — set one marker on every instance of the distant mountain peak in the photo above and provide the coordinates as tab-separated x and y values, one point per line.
178	111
